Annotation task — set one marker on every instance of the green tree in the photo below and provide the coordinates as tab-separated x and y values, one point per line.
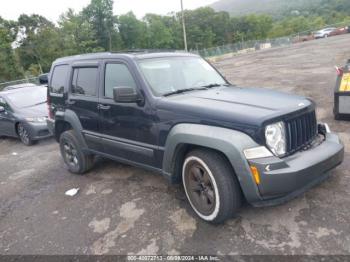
9	66
133	32
253	26
77	34
158	34
39	42
199	28
99	13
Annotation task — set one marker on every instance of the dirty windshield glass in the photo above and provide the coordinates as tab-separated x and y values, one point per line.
166	75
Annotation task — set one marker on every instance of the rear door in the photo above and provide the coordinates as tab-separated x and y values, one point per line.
57	87
83	100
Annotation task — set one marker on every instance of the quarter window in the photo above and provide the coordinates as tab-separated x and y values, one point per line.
84	81
58	79
4	104
117	75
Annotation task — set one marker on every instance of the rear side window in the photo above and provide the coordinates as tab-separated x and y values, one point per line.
84	81
117	75
58	79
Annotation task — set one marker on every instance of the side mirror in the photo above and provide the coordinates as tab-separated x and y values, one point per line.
2	109
44	79
125	94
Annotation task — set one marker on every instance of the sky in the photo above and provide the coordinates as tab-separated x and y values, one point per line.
51	9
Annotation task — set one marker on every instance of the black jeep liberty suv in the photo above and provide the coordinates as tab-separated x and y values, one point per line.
173	113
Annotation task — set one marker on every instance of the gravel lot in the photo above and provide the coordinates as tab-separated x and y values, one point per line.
125	210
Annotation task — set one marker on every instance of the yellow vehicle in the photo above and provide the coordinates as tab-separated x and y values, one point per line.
342	93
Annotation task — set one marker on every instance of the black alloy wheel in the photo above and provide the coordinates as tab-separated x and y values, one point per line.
201	190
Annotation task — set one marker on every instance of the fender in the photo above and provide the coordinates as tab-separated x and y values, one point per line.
229	142
70	117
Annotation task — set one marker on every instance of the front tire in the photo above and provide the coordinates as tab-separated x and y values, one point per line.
77	161
211	186
24	135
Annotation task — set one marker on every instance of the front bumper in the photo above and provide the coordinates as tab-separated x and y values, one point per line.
286	178
38	131
51	125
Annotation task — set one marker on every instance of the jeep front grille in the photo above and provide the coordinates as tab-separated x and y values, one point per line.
301	131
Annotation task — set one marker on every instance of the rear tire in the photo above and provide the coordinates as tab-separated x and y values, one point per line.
77	161
24	135
211	186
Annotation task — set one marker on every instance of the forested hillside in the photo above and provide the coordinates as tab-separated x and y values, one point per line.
273	7
279	8
30	44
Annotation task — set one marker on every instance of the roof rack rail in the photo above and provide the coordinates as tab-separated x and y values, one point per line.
147	51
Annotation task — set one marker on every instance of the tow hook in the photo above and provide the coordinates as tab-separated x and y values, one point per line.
323	129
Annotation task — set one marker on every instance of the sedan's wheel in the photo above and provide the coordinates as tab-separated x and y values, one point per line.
77	161
211	186
24	135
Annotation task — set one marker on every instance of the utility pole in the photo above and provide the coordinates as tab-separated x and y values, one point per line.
184	25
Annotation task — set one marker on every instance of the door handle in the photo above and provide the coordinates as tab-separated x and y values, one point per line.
104	107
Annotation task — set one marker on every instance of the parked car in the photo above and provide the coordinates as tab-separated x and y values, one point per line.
7	88
339	31
23	114
341	107
176	115
324	33
303	38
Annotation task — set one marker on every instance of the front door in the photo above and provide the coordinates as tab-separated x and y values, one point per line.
128	129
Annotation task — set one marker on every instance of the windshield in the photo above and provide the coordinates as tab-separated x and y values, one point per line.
171	74
27	97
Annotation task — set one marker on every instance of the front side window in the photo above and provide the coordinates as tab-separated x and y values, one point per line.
84	81
58	79
117	75
166	75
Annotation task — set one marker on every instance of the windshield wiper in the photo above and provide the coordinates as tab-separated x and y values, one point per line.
214	85
180	91
36	104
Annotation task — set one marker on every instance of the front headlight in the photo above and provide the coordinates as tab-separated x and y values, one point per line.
275	136
36	119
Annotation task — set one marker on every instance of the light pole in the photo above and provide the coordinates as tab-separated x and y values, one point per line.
184	25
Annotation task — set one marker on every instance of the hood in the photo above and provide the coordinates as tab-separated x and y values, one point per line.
33	111
239	106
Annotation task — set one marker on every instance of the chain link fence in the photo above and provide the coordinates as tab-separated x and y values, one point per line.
244	47
32	80
230	50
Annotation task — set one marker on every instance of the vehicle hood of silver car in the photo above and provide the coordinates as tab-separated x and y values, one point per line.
33	111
